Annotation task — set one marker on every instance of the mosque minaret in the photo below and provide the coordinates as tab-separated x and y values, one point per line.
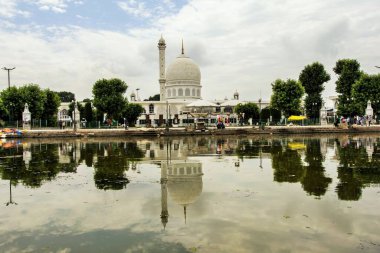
164	196
161	80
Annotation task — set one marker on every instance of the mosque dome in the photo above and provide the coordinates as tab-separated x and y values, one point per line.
183	69
185	182
185	191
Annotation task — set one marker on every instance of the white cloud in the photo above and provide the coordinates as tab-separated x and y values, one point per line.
81	17
250	44
8	9
74	58
151	11
135	8
241	46
57	6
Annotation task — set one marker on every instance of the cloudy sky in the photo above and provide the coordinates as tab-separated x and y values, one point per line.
66	45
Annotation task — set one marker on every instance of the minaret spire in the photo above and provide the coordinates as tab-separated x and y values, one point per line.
184	212
183	51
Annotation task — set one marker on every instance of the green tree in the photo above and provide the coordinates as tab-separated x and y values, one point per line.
364	89
250	110
51	105
3	112
312	79
267	112
153	98
287	96
132	112
36	99
109	96
348	71
88	113
13	102
66	96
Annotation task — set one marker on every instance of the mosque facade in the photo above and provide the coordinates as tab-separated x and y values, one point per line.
181	100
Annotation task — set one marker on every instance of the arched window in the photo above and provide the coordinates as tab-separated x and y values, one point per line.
180	92
169	93
151	108
187	92
198	93
174	93
193	92
64	112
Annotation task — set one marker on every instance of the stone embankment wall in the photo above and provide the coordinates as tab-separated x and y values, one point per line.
157	132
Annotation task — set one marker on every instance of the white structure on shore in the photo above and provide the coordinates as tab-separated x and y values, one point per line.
181	100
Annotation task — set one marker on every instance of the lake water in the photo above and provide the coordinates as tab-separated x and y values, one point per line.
193	194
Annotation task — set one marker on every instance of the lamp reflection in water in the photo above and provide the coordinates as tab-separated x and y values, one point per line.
10	202
182	180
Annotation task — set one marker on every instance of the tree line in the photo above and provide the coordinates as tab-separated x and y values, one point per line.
108	99
354	88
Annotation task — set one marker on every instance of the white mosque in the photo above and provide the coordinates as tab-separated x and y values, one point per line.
181	100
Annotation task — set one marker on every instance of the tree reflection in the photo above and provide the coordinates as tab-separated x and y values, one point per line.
43	166
32	164
248	148
314	180
87	153
286	164
112	162
358	166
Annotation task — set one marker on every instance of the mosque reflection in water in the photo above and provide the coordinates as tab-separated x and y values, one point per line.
293	160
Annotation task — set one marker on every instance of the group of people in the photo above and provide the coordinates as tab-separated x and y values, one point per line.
356	120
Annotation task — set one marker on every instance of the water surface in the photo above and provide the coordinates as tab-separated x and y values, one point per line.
193	194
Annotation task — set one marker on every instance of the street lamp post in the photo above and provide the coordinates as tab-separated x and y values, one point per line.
314	104
259	113
10	111
167	117
10	195
376	105
9	87
170	118
9	78
74	120
348	107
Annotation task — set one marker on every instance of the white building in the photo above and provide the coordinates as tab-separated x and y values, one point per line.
181	96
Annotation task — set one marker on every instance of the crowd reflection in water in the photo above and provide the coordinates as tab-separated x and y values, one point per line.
294	160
